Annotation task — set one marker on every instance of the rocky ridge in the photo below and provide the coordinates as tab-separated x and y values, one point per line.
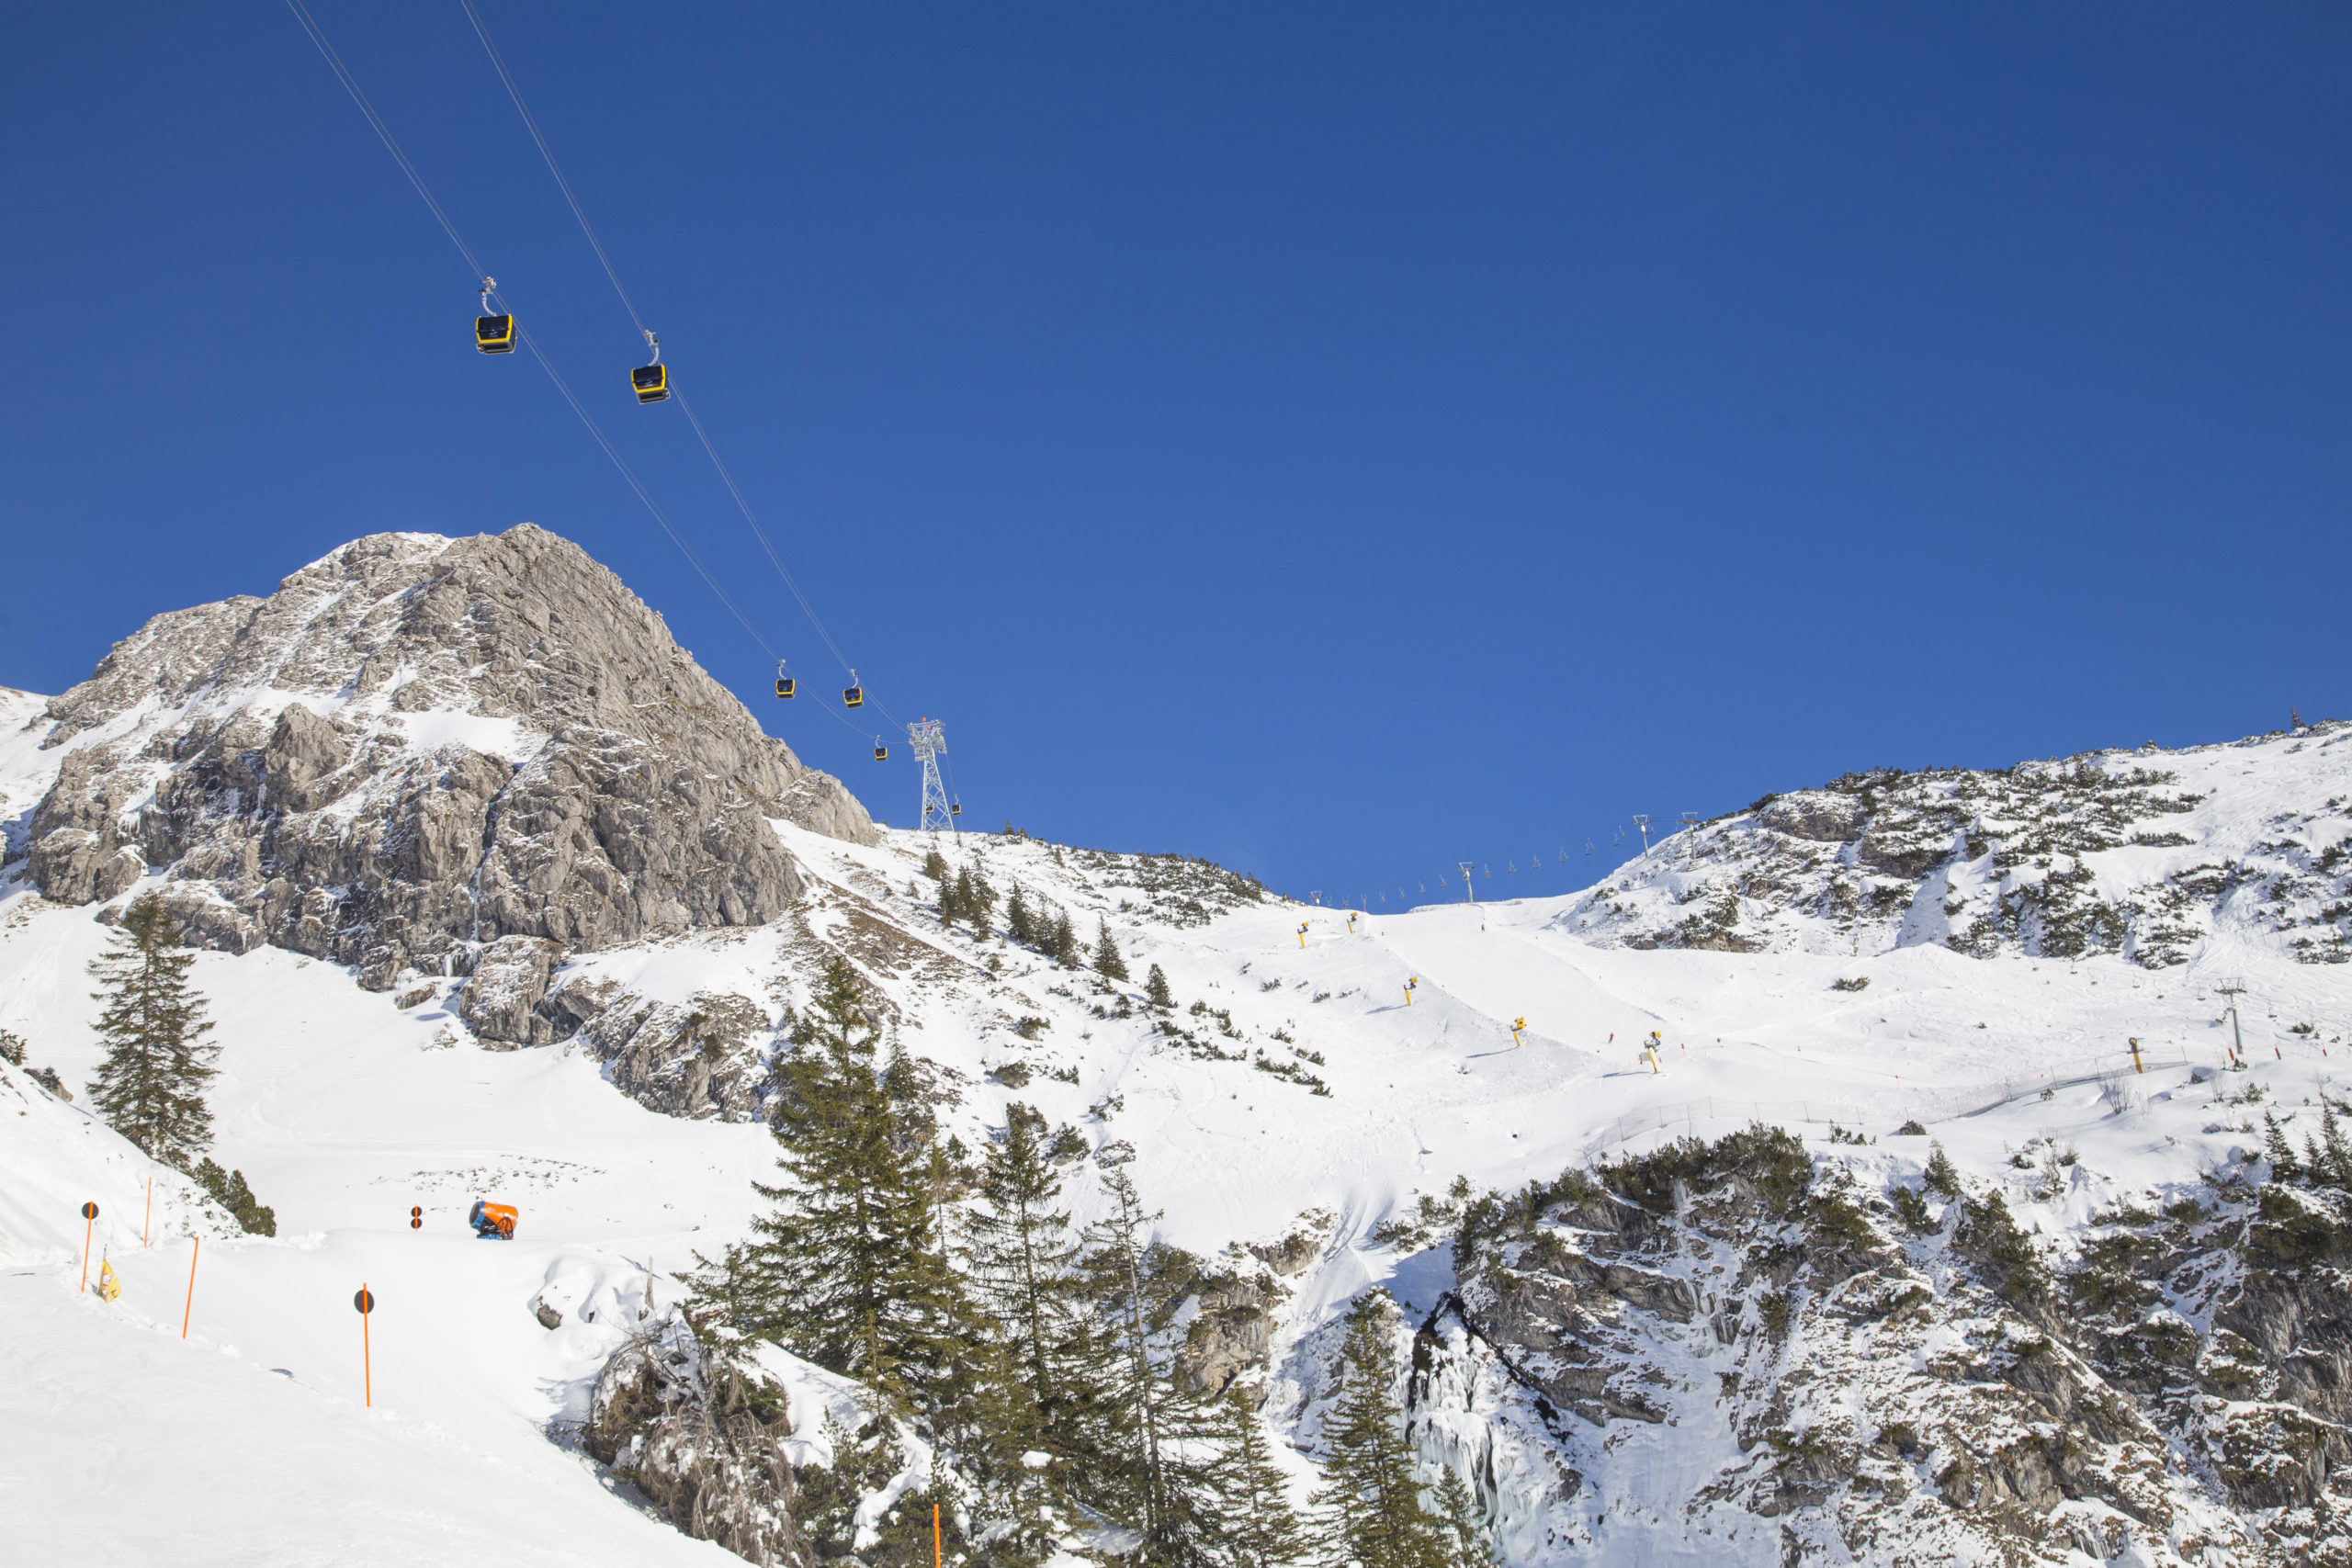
2127	853
423	756
1823	1368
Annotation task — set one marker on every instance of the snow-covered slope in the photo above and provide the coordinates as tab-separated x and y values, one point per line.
2130	852
1303	1122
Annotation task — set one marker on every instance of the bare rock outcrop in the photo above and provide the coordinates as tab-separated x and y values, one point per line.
703	1061
1873	1381
416	749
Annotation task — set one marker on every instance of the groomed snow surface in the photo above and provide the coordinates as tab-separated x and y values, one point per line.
249	1442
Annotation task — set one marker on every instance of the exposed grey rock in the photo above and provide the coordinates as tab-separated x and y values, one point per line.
418	746
499	1001
548	1316
1815	815
1231	1332
704	1060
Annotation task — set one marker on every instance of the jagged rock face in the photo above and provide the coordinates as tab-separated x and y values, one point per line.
417	748
1817	1380
703	1061
2112	852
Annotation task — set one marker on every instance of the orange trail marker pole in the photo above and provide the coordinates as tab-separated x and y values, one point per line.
89	1221
191	1285
934	1535
366	1305
150	1215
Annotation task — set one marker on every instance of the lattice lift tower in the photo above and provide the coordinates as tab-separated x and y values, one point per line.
927	739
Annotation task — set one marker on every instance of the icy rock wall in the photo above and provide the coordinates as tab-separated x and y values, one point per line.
419	748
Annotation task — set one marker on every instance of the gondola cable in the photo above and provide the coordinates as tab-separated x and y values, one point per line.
490	292
588	230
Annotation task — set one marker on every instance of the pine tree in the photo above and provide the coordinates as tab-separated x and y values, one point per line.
1107	962
228	1188
1251	1523
2284	1165
151	1086
1138	1421
1368	1509
2334	1167
850	1269
1156	991
1021	1250
842	1270
1061	943
935	865
1940	1177
963	896
1455	1510
1017	924
980	903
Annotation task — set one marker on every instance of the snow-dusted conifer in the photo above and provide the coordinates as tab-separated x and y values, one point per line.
978	901
228	1188
1018	924
1108	963
1368	1510
1061	941
2284	1165
1021	1247
1466	1539
1136	1417
1155	989
842	1270
151	1086
1251	1521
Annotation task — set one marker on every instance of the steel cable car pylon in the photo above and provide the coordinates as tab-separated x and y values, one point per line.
928	739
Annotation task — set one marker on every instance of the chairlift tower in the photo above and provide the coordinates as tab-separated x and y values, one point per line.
1469	888
1690	828
2233	987
927	740
1643	823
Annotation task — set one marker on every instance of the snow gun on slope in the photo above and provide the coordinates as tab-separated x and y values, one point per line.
493	1219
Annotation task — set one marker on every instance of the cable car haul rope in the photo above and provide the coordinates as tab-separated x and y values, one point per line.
497	331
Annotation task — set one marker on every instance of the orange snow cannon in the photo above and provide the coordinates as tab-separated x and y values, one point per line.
494	1221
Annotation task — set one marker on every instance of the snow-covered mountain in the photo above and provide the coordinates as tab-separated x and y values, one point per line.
2101	1333
413	749
2136	853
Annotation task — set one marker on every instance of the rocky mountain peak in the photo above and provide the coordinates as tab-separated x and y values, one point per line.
417	748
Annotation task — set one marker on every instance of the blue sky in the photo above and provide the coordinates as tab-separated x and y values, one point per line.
1336	439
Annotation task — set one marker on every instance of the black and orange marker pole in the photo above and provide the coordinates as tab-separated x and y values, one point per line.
89	1221
366	1305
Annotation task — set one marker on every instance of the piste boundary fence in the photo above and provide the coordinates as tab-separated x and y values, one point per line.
1921	1105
